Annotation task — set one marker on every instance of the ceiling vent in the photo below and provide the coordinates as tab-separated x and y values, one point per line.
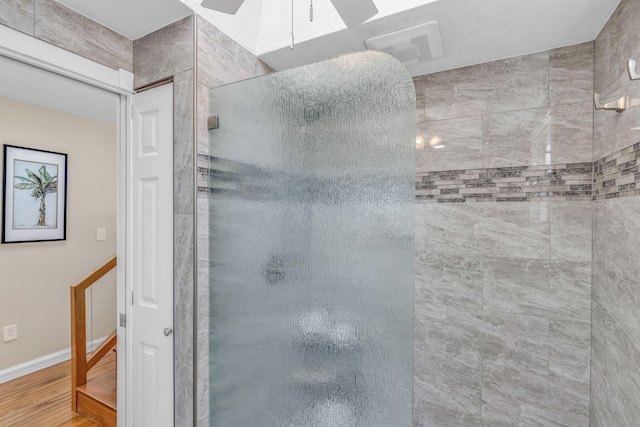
412	45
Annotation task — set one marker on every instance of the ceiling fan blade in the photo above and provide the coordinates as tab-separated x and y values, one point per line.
355	12
226	6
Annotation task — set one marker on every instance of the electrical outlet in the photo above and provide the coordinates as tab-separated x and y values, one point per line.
101	234
10	333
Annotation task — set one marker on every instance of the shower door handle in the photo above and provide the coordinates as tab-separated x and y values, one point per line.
167	331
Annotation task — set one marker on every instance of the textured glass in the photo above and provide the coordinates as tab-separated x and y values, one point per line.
311	247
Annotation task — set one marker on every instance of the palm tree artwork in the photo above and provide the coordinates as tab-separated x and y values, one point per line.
40	185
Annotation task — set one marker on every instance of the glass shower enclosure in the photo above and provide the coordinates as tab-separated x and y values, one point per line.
311	247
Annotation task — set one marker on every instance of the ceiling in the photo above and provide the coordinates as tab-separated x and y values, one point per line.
472	31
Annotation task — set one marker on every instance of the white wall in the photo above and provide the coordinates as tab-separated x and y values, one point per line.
35	277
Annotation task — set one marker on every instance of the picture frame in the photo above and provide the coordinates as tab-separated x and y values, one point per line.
34	195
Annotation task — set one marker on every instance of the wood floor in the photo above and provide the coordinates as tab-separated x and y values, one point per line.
43	399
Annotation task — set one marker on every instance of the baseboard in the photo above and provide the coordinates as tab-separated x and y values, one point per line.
43	362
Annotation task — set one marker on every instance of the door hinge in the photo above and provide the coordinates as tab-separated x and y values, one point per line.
123	320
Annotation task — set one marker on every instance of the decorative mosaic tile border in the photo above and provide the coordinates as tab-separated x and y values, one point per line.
202	178
617	175
509	184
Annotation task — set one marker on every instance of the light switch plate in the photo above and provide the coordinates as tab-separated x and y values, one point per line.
101	234
10	333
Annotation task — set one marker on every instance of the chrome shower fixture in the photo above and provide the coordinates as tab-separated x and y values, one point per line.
631	68
619	106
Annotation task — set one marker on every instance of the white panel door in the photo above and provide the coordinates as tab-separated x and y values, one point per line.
152	258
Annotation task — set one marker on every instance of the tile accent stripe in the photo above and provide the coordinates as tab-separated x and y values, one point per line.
203	176
510	184
617	175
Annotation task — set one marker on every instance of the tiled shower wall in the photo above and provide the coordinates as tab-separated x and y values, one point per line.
53	23
615	354
503	243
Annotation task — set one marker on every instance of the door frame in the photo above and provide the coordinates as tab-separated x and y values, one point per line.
27	49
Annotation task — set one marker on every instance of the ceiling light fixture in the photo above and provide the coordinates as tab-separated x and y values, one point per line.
419	142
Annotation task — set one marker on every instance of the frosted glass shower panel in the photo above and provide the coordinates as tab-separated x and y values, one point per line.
311	247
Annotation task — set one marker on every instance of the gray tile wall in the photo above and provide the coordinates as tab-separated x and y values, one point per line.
615	350
50	21
164	53
221	60
503	290
19	15
525	111
184	249
502	314
615	372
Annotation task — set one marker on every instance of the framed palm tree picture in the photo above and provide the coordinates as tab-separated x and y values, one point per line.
34	190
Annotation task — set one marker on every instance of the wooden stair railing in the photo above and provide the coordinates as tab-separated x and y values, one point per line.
82	402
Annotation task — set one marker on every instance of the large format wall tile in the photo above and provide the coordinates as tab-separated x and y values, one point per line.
443	380
513	230
202	234
450	230
555	290
462	146
571	74
523	398
506	85
183	160
221	60
183	232
616	227
448	281
203	113
164	53
512	328
616	267
69	30
571	231
603	73
615	131
543	136
615	375
514	341
19	15
569	349
447	366
508	393
618	41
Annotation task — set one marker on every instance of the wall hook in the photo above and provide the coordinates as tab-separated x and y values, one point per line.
619	106
631	68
